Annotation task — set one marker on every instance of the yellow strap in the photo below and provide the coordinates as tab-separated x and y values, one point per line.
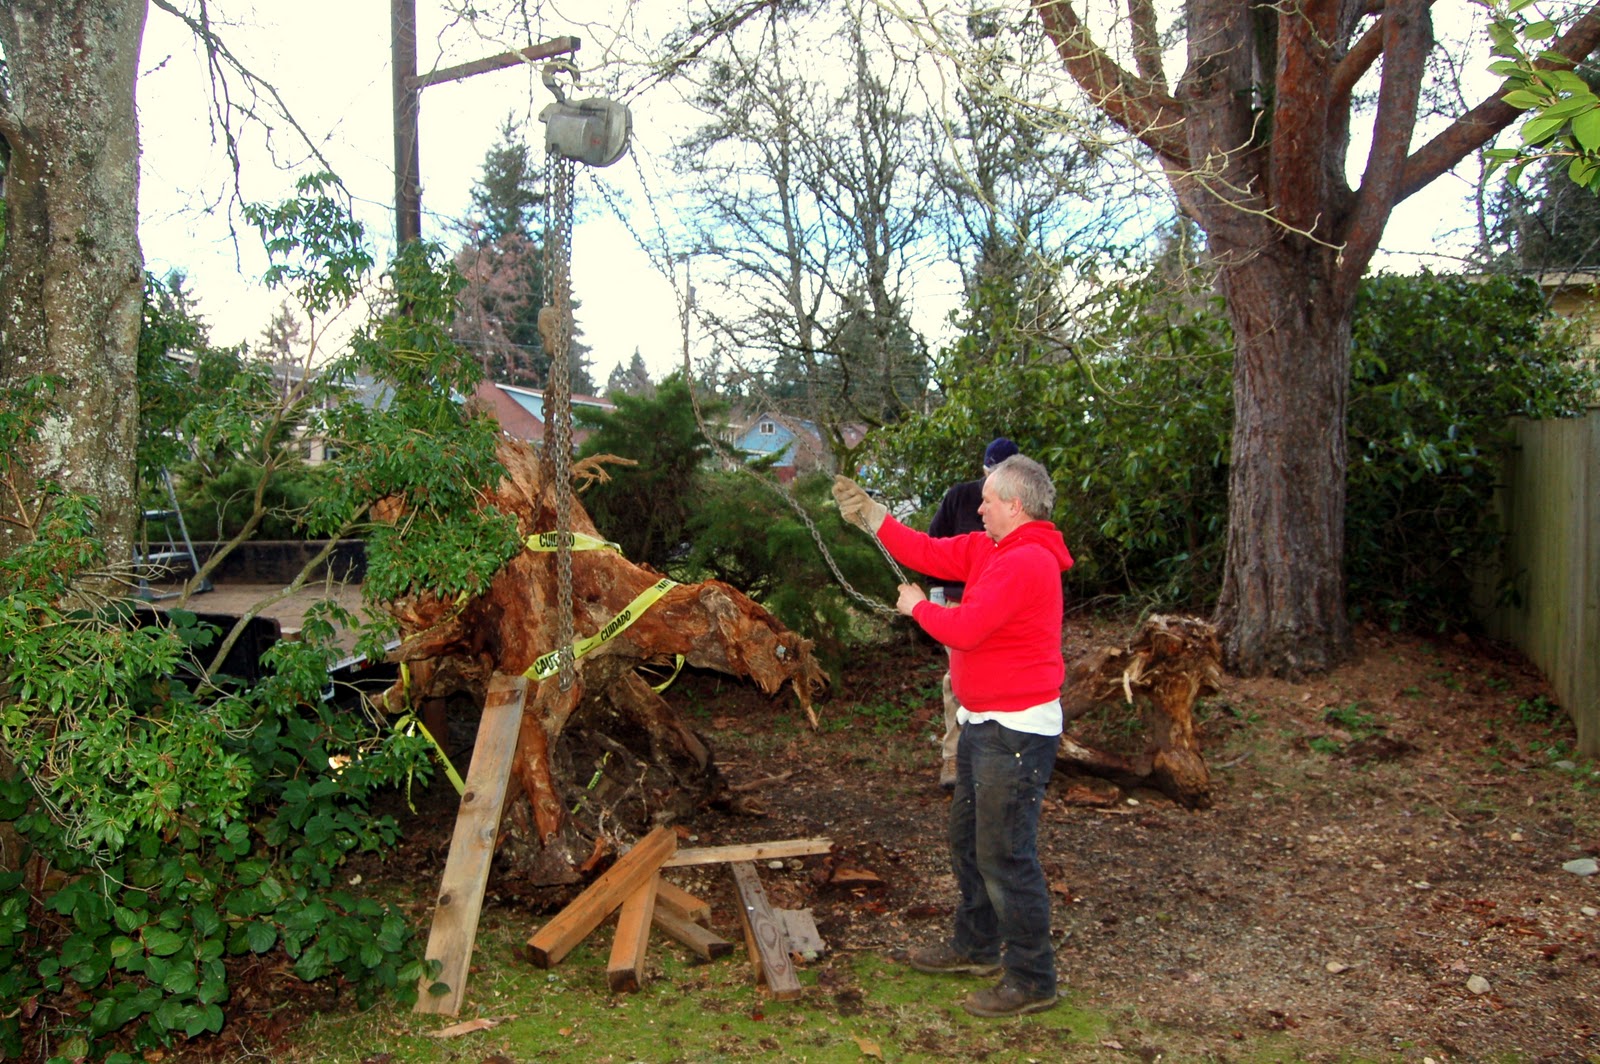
677	667
550	541
549	664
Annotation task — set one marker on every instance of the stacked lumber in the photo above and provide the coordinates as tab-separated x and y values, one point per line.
634	889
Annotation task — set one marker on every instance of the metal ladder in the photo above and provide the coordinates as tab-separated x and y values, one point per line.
148	557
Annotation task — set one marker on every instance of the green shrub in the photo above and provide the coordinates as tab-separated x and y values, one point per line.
172	818
1134	428
743	532
184	821
1132	423
218	506
1440	365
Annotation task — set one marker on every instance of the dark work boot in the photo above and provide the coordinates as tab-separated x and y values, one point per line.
1006	1000
942	960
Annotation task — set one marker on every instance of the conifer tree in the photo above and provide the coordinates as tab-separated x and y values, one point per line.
503	263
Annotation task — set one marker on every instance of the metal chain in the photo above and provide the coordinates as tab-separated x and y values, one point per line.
866	600
736	462
559	178
733	460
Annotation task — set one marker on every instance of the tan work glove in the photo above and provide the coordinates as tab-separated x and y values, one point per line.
857	507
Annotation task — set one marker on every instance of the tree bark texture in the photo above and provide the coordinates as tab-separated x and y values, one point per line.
71	275
609	754
1254	137
1171	663
1283	590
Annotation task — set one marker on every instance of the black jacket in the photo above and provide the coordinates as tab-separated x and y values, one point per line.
957	515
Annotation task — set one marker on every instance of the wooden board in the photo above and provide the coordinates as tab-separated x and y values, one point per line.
633	869
752	851
466	869
764	935
625	972
681	903
801	927
708	945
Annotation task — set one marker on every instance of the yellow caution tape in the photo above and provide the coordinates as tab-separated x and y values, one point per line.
410	723
549	541
549	664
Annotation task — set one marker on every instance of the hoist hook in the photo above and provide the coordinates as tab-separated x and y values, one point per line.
554	67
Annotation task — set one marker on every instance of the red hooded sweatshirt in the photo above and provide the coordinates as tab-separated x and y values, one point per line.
1005	636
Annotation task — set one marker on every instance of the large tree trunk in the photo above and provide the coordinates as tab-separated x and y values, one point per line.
1282	608
71	276
607	755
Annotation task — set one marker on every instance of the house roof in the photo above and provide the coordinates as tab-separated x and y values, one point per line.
520	411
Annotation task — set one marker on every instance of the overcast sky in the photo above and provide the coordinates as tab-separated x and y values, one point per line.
330	62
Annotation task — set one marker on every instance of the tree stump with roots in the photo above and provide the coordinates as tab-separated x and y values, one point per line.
608	757
1170	664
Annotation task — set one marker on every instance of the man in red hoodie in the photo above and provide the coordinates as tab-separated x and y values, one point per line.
1006	670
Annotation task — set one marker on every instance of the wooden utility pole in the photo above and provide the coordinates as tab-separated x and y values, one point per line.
407	104
408	86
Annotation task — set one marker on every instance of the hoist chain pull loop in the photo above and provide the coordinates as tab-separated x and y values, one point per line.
559	174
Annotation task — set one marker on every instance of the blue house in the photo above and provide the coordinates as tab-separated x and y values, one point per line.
795	441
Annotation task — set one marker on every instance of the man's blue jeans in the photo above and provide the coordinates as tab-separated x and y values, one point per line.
994	850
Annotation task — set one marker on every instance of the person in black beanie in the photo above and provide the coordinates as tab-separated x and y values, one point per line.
957	515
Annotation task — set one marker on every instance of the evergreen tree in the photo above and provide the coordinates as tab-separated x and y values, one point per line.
508	197
633	379
283	336
503	263
645	507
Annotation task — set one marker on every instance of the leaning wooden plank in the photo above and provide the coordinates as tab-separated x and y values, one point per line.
751	851
708	945
555	939
764	934
680	902
466	869
625	972
801	927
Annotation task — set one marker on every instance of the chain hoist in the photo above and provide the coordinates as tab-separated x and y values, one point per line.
593	131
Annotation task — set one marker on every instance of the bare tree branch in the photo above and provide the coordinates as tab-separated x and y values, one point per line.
219	60
1142	107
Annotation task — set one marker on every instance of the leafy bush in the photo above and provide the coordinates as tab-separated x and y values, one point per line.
171	823
1439	366
1133	425
172	819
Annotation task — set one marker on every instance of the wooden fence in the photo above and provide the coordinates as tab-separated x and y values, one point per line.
1546	597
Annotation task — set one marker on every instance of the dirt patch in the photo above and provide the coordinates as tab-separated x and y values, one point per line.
1383	838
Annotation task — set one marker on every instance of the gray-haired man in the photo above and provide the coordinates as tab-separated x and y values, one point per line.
1006	669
